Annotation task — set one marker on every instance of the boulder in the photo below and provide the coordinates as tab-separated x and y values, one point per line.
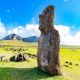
49	43
20	57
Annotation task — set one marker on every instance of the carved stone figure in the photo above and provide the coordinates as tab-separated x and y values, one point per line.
49	42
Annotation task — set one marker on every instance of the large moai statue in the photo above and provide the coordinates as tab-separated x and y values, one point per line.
49	42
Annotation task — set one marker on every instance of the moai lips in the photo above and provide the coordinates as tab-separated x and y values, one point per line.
49	42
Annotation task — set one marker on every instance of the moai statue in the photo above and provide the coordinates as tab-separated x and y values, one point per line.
49	43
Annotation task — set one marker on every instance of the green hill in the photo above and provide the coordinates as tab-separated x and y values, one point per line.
16	43
69	60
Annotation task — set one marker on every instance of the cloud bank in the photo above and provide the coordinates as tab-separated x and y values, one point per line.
32	30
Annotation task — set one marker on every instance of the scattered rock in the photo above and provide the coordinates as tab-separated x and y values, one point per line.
66	62
70	63
31	55
66	65
77	64
13	58
6	60
1	57
19	58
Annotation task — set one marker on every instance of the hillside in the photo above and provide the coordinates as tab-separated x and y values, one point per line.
12	37
31	39
15	43
69	60
17	37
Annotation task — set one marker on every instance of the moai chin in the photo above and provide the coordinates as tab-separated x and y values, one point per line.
49	42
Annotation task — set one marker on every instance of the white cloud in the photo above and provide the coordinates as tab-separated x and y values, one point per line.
63	30
2	30
66	37
32	30
28	30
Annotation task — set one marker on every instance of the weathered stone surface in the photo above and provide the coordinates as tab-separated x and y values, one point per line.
48	45
19	58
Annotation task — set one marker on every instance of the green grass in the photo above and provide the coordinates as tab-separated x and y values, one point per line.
29	71
16	43
24	71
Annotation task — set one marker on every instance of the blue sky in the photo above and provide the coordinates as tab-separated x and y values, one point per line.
21	12
18	16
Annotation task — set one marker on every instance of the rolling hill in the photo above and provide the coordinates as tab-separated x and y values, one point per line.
31	39
12	37
17	37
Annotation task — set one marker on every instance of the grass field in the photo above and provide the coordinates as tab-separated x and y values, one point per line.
69	59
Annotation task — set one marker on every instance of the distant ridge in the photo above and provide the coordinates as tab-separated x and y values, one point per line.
12	37
17	37
31	39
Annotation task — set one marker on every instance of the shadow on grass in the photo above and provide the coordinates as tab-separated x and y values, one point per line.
23	74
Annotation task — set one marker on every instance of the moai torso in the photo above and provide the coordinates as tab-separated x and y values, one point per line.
48	45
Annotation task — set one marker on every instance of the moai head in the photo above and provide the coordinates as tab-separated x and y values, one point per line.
46	20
